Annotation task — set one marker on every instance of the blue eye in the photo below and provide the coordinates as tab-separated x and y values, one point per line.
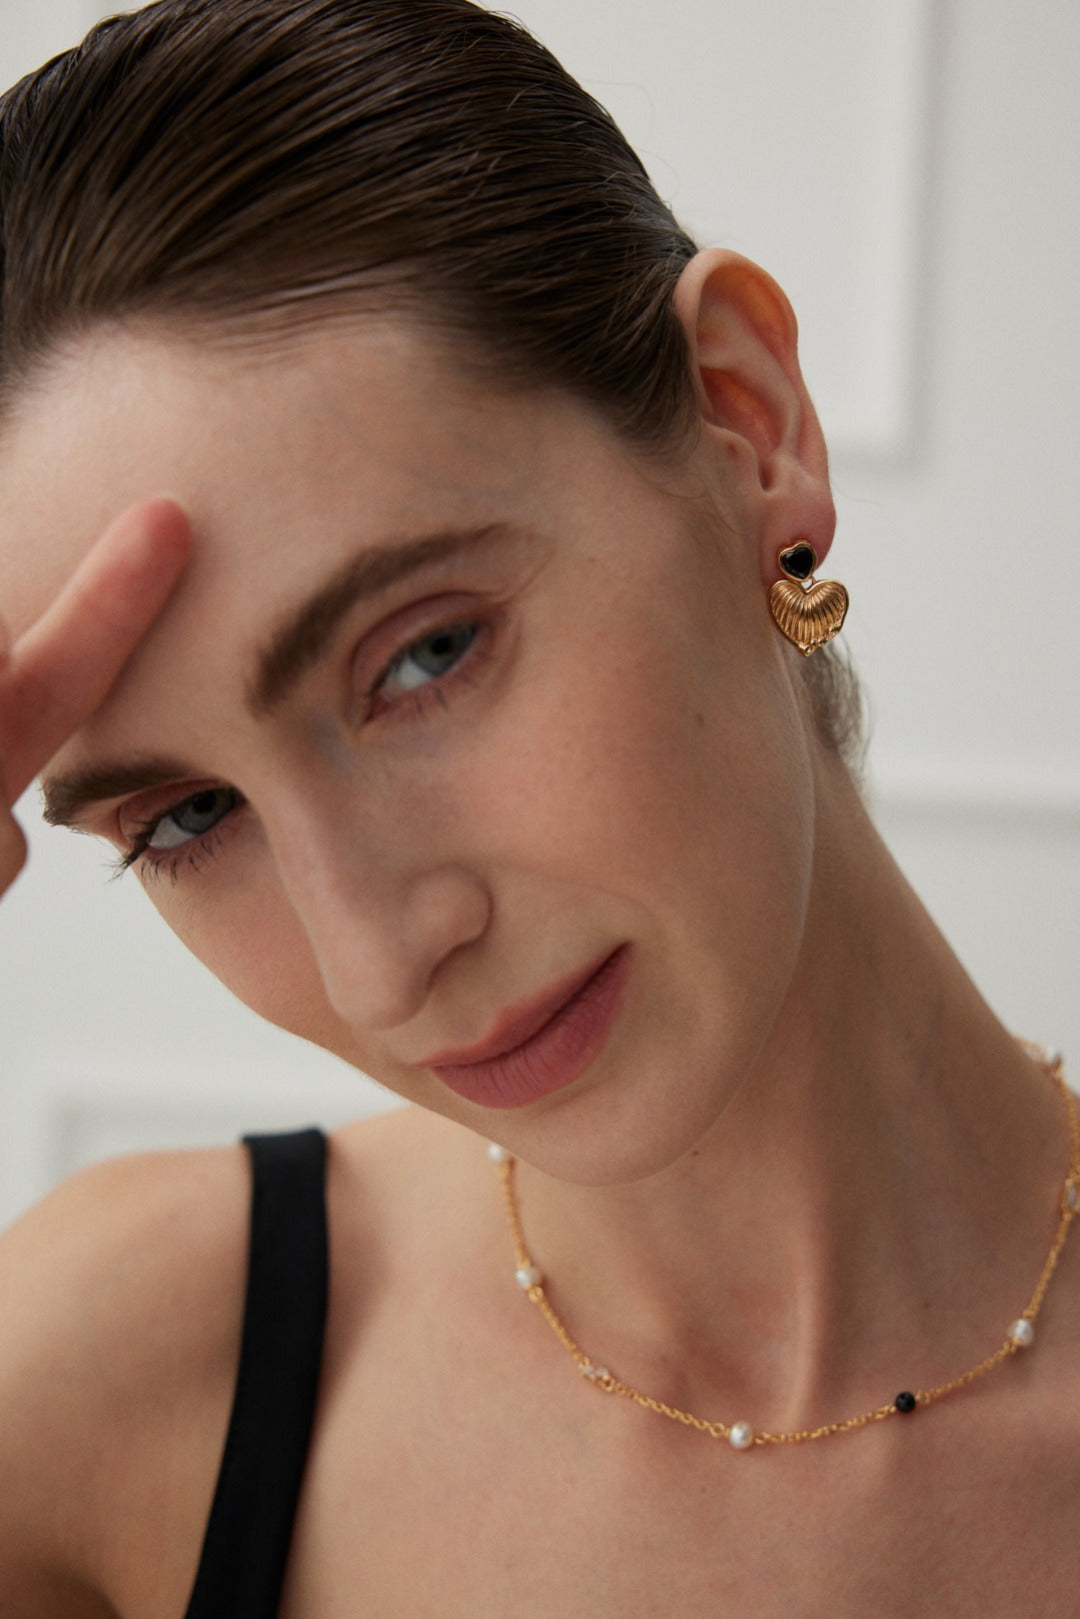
193	818
428	658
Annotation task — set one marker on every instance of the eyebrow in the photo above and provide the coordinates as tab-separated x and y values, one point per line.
297	642
291	649
64	797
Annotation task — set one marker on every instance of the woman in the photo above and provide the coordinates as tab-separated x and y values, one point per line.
433	674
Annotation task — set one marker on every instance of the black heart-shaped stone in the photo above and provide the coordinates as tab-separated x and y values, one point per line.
799	561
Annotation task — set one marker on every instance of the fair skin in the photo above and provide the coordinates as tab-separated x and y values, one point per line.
808	1167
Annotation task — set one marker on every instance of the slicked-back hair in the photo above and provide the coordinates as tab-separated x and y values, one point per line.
211	160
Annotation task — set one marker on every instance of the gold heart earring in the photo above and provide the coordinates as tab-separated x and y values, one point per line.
808	612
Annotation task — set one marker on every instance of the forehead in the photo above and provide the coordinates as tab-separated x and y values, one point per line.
347	433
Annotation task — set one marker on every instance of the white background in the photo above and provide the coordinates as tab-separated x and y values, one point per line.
907	169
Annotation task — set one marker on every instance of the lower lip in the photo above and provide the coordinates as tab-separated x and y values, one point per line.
555	1055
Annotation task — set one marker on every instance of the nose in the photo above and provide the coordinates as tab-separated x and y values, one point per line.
381	913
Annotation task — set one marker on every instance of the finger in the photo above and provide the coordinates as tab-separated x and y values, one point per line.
62	668
13	846
12	849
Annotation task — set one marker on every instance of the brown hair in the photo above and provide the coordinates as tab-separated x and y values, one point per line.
219	161
211	158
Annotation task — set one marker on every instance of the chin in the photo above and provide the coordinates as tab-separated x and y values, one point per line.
620	1129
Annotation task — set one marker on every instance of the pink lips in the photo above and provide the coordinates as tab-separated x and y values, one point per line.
541	1045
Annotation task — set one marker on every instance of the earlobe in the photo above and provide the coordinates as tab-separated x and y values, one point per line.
743	340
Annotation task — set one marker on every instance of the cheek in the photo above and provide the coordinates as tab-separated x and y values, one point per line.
674	810
239	924
665	772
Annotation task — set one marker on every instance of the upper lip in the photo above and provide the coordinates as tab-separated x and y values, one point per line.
518	1023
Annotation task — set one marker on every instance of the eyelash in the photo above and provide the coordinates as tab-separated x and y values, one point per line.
194	853
417	704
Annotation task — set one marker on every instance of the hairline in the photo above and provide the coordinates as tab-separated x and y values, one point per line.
267	326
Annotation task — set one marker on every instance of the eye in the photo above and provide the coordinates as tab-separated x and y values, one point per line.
189	831
425	661
192	818
425	667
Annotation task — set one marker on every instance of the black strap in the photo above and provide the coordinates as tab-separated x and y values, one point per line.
247	1538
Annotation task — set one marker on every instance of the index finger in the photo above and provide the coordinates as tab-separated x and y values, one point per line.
63	667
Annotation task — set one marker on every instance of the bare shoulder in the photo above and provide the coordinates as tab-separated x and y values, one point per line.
410	1198
120	1338
395	1173
123	1299
403	1139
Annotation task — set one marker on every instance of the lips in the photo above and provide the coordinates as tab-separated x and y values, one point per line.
542	1044
519	1023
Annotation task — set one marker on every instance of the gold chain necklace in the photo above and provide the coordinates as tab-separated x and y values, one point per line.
740	1435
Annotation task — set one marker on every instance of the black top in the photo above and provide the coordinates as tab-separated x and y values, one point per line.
247	1538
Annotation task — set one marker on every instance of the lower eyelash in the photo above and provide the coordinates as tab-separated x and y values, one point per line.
195	853
414	704
421	699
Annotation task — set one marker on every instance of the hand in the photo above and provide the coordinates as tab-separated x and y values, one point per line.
61	670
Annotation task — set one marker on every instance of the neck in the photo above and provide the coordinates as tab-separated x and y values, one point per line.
871	1207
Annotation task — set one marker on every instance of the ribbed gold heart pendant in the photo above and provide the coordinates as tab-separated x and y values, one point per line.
808	615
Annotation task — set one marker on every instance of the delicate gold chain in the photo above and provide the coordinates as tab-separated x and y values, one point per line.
739	1434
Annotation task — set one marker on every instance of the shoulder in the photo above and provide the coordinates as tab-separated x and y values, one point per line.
123	1301
417	1230
120	1339
392	1182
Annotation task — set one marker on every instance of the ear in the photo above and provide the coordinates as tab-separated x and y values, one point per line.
754	404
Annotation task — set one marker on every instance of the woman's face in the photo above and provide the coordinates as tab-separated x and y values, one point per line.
455	700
